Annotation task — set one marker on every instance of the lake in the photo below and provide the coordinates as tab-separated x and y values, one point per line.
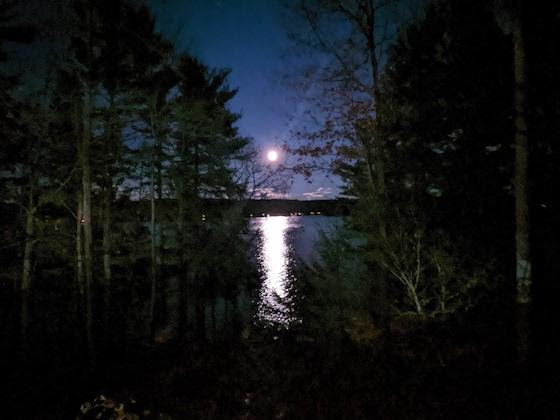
283	241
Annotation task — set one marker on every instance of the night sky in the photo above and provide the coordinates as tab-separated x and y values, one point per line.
250	38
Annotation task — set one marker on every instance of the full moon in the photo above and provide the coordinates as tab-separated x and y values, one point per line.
272	156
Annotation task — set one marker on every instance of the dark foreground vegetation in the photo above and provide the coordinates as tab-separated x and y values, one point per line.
437	299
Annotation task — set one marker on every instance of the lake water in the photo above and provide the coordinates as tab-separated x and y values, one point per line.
284	240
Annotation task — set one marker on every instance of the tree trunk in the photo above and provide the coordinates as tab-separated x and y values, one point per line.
414	297
79	301
213	316
377	141
521	188
183	269
87	223
156	233
158	167
107	274
200	318
141	185
153	249
107	213
85	160
182	276
27	267
226	312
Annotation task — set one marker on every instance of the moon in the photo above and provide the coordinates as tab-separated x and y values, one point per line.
272	155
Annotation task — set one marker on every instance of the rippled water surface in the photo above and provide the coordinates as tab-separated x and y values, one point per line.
284	240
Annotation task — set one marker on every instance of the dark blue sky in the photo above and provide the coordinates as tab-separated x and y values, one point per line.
248	36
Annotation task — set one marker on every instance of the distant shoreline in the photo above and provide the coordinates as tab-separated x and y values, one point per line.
283	207
254	208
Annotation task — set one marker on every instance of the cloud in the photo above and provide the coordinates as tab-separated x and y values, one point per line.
321	193
270	193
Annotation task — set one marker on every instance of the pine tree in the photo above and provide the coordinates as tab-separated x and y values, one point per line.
206	144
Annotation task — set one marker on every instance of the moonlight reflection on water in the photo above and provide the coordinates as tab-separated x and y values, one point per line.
283	241
275	259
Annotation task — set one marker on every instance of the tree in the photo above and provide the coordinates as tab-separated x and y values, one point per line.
511	15
348	82
447	121
125	28
521	185
206	144
350	40
18	160
157	117
331	298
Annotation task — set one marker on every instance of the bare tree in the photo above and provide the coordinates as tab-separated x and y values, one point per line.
255	175
407	265
348	41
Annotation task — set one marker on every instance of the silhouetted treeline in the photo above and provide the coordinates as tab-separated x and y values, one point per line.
338	207
436	299
117	114
446	138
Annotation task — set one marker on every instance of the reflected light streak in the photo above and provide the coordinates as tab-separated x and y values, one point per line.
275	261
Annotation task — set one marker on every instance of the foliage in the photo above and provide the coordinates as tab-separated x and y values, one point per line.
331	293
118	106
407	313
